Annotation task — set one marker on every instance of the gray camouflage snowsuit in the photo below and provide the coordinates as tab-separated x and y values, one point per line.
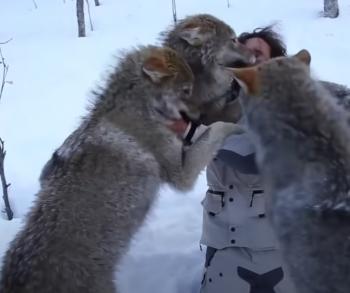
242	251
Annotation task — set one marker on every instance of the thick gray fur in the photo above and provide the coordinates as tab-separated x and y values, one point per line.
98	189
302	135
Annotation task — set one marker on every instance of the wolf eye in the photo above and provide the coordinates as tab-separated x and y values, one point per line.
235	40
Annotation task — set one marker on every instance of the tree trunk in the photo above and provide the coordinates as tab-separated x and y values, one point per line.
331	8
81	19
97	3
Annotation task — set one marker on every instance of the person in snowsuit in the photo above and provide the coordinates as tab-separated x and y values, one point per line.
242	252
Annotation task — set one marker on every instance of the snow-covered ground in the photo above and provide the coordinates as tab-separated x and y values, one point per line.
52	73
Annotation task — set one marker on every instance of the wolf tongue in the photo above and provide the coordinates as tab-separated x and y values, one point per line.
178	126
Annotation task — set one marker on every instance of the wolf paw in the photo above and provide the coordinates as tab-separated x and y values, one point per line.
220	130
225	129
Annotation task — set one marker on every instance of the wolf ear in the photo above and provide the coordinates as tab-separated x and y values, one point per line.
247	78
156	69
196	35
304	56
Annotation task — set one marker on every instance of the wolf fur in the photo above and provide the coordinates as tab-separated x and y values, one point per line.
301	132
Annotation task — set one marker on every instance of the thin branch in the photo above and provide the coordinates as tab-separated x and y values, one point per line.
35	5
88	9
5	69
3	43
4	184
174	11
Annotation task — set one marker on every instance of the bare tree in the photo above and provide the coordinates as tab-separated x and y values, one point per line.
174	10
80	18
97	3
331	8
4	183
88	9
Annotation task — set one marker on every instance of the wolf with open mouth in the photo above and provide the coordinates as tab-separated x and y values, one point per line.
100	184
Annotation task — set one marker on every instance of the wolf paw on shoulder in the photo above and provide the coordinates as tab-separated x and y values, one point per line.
206	146
220	130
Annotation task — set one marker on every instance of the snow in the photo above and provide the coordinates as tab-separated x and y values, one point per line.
52	73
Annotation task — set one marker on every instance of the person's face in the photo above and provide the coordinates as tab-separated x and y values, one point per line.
260	49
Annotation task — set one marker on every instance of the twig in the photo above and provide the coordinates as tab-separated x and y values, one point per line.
3	43
5	69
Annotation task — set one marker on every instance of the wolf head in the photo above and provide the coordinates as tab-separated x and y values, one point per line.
208	45
283	112
166	71
151	85
204	40
263	80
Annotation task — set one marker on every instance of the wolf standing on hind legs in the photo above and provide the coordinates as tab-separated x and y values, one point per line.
97	194
302	137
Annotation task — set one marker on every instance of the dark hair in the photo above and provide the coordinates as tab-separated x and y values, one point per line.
272	38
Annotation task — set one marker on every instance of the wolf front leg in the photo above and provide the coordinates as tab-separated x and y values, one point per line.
198	155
